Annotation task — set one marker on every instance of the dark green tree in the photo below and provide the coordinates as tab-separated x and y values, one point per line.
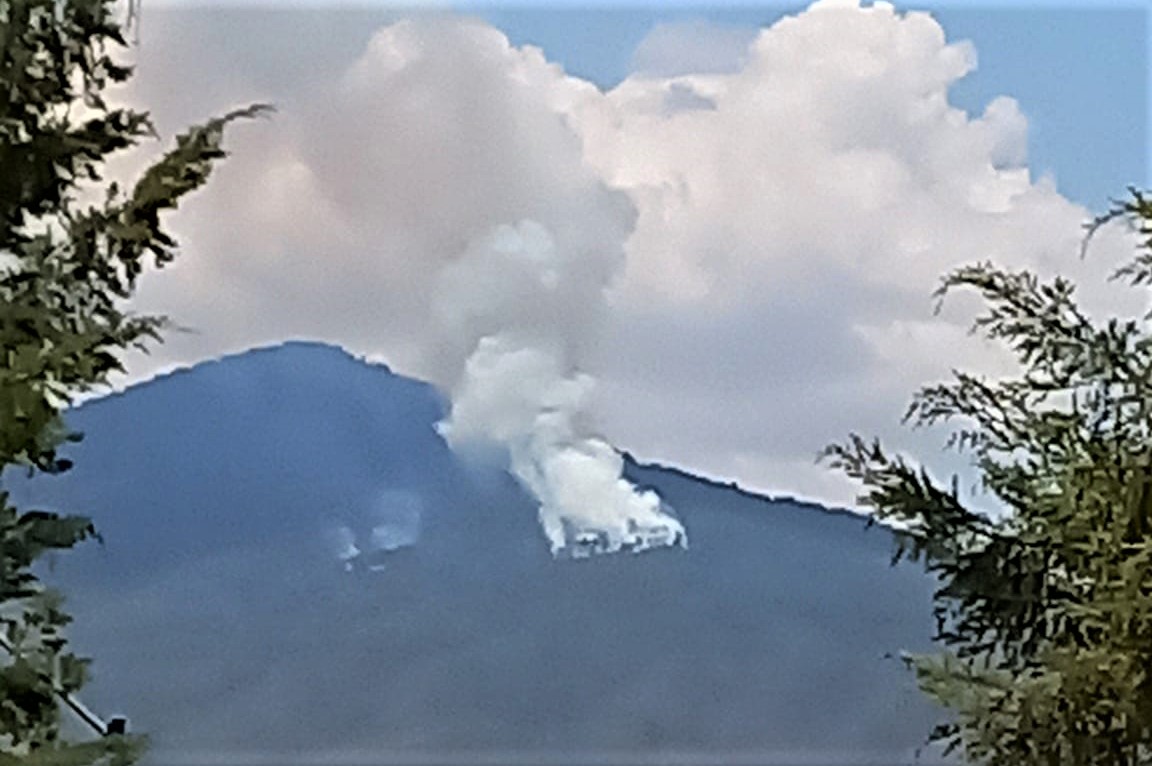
66	270
1044	615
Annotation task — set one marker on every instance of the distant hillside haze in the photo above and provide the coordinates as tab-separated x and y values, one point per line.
298	570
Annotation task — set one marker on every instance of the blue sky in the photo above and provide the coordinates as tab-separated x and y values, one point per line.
1079	71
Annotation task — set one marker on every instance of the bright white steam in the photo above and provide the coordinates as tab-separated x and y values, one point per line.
519	389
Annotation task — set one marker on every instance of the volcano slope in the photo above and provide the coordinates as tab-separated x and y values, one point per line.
296	569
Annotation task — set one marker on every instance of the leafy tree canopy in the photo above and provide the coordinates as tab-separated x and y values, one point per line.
1045	616
65	271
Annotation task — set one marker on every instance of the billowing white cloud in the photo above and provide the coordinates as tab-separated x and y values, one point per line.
692	47
790	234
776	226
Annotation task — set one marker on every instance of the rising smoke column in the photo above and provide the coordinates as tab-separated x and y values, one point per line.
477	170
519	388
433	207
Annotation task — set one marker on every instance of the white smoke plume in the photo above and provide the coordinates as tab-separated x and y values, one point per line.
777	204
520	389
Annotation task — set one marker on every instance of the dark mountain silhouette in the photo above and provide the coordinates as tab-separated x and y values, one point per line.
298	570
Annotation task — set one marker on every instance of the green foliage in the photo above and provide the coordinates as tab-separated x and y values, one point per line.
65	270
1045	616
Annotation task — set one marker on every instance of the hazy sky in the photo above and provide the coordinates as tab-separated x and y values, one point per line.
773	192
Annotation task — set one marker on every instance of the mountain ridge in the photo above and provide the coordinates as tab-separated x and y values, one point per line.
223	618
318	346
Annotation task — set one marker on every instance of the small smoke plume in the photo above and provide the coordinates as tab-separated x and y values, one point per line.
519	388
394	521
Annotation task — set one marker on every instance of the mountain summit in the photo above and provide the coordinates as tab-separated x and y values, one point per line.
298	570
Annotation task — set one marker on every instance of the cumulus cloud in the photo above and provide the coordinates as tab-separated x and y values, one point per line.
778	281
777	213
691	47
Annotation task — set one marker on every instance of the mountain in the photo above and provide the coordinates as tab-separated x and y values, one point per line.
296	569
